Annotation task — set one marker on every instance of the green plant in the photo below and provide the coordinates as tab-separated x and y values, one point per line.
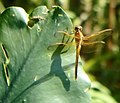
35	73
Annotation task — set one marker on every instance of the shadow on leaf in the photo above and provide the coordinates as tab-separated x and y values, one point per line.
57	69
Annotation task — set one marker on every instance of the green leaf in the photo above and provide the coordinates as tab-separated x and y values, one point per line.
38	74
99	94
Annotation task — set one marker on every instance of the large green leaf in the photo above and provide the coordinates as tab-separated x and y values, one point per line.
39	74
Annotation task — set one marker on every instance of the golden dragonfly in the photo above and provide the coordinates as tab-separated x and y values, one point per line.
82	40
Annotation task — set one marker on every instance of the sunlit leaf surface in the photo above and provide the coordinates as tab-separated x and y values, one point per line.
38	74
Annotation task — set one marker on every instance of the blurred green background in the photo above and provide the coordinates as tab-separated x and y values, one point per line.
94	15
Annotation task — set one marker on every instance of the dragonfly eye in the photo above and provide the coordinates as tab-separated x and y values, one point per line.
78	28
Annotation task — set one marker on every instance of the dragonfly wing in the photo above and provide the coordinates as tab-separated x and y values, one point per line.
92	47
98	36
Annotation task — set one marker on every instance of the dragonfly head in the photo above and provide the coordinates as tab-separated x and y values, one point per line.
78	28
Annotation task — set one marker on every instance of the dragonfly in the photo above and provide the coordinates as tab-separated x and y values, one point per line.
91	40
82	40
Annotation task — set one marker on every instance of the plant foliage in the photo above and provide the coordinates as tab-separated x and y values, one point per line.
31	70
